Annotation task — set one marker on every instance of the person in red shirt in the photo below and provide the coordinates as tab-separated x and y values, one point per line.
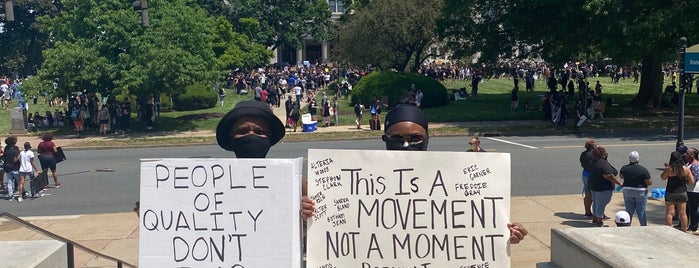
46	150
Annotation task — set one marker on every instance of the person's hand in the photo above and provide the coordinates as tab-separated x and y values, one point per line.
38	172
308	207
137	208
517	232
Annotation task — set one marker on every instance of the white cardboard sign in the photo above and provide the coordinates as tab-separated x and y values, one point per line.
408	209
220	213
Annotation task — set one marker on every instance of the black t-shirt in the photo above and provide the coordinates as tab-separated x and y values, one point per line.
635	175
10	154
585	158
598	168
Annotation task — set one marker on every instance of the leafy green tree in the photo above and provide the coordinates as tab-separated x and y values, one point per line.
99	45
235	50
89	38
391	34
21	42
558	31
281	23
176	50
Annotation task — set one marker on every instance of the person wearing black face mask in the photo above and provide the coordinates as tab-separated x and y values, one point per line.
406	129
250	130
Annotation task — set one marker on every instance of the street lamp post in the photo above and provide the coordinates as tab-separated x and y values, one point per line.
683	85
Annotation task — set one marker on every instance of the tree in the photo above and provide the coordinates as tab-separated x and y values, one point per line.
21	42
281	23
391	34
99	45
627	31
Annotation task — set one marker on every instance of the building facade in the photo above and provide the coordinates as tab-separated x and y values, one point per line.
312	50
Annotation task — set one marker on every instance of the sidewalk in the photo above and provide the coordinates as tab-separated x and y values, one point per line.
116	234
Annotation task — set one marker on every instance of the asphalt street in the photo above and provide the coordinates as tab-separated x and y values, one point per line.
107	181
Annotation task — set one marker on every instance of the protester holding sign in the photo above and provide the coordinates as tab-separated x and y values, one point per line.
406	128
250	129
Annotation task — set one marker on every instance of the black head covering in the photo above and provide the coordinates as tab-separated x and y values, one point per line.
406	112
250	108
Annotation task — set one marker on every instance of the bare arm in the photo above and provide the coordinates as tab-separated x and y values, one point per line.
611	178
34	165
690	176
666	173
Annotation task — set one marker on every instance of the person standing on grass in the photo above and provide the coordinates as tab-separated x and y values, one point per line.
358	107
26	169
514	99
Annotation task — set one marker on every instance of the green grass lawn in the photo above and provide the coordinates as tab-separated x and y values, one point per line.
492	104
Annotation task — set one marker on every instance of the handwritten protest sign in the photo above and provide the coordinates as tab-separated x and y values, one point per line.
220	213
408	209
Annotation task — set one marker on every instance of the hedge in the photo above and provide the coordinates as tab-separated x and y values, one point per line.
195	97
397	87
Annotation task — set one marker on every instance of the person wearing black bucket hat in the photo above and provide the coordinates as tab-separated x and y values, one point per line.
250	129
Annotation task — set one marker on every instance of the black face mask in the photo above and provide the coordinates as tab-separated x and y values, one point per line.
251	146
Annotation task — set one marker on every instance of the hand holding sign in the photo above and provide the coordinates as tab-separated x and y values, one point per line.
220	213
422	209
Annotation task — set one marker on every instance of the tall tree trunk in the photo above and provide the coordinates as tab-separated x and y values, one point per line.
650	90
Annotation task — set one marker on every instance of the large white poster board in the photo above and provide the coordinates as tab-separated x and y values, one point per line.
408	209
220	213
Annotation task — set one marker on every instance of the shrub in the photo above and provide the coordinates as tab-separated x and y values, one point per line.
397	87
195	97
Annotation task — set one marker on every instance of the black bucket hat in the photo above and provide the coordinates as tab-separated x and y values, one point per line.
249	108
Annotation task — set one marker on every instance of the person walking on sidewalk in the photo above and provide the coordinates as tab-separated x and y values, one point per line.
585	158
11	164
288	106
636	181
26	169
46	150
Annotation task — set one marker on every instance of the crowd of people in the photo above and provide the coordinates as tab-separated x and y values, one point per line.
19	166
599	178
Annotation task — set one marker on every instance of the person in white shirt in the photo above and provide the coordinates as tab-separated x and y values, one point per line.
297	91
26	168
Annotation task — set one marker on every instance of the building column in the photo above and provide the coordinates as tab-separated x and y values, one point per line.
324	51
299	54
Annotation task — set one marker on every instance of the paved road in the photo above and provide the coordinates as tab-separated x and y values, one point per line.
541	165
